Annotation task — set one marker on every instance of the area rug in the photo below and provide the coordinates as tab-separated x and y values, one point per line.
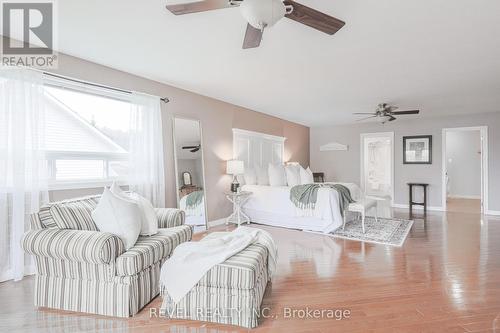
386	231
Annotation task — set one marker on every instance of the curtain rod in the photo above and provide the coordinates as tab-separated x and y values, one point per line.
163	99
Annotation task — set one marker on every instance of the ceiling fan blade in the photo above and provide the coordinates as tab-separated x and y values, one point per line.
195	150
406	112
364	113
253	37
366	118
189	147
313	18
200	6
392	118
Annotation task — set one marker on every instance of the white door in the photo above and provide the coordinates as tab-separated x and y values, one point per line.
377	165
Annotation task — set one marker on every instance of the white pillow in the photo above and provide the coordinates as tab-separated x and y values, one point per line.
250	177
118	216
293	175
149	221
277	176
306	176
262	176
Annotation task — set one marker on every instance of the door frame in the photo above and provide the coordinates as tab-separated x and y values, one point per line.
362	136
483	132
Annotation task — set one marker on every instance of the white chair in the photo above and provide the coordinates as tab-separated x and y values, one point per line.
361	206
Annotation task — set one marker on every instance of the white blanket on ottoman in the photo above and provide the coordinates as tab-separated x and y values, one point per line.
191	261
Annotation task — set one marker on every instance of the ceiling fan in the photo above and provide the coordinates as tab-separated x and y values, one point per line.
386	112
261	14
192	149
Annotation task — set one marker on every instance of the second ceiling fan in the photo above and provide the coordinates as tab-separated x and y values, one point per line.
261	14
386	112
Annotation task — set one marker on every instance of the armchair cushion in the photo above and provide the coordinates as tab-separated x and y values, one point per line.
75	213
74	245
170	217
149	250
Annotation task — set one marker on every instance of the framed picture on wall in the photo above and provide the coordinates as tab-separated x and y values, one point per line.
417	149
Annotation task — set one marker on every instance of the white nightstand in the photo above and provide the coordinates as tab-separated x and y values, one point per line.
238	199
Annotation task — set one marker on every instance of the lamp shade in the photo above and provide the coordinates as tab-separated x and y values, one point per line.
235	167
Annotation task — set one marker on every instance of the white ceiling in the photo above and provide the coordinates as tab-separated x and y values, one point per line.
441	56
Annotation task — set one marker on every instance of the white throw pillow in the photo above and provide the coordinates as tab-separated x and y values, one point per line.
306	176
277	175
262	176
293	175
250	177
118	216
149	221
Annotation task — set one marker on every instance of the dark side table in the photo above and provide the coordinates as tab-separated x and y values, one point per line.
412	203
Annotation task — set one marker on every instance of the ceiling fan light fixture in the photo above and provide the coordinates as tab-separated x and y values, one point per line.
263	13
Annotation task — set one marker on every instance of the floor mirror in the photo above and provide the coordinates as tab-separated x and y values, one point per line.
189	170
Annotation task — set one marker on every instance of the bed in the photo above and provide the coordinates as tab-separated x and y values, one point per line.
271	205
194	215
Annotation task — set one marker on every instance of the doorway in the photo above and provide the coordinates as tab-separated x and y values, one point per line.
377	169
465	169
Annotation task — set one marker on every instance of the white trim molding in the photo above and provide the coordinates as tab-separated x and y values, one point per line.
431	208
483	130
362	136
332	146
493	212
215	223
453	196
259	135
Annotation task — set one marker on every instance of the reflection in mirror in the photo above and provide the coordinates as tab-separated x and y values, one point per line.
186	179
189	170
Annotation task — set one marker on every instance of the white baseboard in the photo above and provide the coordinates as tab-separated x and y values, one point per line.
216	222
464	196
493	212
433	208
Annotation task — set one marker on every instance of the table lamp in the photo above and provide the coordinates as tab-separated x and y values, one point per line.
235	168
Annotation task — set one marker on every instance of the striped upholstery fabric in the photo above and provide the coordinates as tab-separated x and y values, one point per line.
85	270
232	306
120	296
170	217
75	214
74	245
35	222
45	216
149	250
81	295
145	285
241	271
74	269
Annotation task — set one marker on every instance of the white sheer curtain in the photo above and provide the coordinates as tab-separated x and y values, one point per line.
23	168
146	149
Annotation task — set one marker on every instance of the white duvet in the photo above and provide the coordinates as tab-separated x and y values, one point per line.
271	205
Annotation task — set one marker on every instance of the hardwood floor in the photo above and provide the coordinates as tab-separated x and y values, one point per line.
445	278
463	205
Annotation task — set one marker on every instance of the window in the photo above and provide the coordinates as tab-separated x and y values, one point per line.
86	135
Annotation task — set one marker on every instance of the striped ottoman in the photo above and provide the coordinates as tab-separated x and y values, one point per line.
230	293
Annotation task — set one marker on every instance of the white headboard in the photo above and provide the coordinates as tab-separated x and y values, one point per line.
257	149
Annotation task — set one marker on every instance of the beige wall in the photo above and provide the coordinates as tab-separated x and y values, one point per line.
217	119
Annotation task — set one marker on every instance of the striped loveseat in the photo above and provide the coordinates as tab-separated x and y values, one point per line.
79	268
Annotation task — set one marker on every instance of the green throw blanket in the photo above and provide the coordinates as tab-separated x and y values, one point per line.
305	196
194	199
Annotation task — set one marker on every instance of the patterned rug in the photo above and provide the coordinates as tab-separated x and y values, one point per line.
387	231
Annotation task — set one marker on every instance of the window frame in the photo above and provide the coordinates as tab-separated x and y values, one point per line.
54	155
